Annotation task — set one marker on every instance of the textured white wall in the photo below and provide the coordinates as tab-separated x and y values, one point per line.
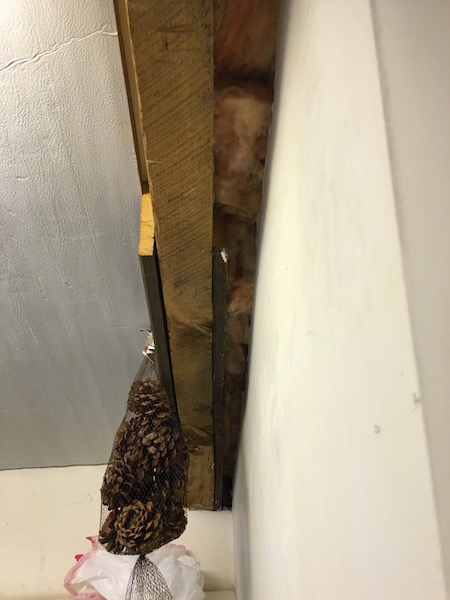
333	491
71	295
414	51
47	513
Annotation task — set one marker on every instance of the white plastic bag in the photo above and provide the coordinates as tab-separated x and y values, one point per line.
100	575
181	572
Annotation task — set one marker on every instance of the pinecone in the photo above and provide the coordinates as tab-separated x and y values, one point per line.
121	433
138	527
117	487
131	396
174	521
108	533
147	396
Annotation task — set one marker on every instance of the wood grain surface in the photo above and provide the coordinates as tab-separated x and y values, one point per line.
172	52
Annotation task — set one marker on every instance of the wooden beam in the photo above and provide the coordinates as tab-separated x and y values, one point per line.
120	8
172	53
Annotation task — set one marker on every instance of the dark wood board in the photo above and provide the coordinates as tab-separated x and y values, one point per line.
219	304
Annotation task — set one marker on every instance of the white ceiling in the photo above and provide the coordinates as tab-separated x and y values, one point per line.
71	295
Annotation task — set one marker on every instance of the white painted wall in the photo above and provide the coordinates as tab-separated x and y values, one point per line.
47	513
414	53
71	294
333	491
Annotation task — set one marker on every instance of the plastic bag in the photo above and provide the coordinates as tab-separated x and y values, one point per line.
181	572
100	575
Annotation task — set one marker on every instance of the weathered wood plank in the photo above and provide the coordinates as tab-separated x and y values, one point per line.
121	11
172	52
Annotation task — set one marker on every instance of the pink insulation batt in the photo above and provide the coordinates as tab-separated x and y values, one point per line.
245	34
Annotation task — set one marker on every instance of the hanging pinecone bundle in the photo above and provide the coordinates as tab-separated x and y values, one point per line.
144	486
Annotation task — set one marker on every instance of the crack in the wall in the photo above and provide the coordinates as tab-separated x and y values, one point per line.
24	61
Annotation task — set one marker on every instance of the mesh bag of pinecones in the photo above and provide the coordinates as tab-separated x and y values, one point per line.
144	487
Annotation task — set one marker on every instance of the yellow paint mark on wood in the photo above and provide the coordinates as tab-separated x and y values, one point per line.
147	227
